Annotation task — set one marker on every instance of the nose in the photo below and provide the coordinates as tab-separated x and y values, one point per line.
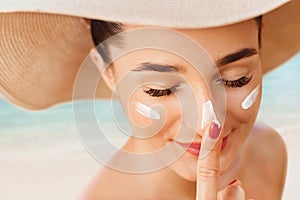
196	106
208	115
202	110
205	110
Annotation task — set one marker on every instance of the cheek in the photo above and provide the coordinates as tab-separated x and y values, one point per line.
141	115
242	106
161	114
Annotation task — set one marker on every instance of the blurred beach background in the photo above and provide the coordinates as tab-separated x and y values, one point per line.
41	156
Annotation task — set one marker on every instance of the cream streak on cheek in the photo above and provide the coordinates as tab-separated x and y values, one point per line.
146	111
251	98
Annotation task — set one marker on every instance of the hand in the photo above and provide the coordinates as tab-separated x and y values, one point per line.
208	170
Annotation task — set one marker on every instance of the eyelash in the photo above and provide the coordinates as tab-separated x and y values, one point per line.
237	83
158	93
166	92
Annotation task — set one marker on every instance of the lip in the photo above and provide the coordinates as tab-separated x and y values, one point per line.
194	147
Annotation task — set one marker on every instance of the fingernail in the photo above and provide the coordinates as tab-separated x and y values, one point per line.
232	182
211	135
214	131
209	140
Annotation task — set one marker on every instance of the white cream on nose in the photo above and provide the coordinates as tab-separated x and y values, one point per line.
208	114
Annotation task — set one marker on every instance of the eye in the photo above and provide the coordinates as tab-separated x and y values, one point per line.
158	92
237	83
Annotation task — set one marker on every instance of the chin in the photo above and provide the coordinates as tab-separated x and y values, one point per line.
185	167
231	153
189	176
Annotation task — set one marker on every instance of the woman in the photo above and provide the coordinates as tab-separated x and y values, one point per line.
243	150
242	159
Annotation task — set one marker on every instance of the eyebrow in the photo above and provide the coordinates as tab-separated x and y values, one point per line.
238	55
149	66
230	58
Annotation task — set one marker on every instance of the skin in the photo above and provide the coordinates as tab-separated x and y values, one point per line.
255	154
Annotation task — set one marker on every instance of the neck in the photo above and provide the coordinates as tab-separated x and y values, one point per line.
161	184
169	185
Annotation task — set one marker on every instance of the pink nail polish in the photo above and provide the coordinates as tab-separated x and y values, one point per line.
232	182
214	131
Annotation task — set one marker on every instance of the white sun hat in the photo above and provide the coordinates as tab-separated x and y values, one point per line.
43	43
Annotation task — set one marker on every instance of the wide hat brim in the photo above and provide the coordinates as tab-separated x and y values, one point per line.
43	43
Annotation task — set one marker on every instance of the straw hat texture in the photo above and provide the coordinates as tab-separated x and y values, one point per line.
43	43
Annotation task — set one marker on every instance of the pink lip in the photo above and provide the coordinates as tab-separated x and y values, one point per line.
194	148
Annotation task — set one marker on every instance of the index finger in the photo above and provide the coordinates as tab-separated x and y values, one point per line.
208	165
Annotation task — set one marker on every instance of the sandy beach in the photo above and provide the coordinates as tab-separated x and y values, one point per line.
51	173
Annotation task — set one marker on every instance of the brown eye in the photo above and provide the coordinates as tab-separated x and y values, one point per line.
237	83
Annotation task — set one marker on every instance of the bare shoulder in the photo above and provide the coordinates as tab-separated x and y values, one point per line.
268	144
266	151
100	187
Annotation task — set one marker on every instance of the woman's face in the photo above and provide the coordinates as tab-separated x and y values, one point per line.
237	46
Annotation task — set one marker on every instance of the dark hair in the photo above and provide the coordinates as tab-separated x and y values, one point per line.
102	30
259	24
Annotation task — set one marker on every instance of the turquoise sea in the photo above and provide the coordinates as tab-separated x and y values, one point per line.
280	108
